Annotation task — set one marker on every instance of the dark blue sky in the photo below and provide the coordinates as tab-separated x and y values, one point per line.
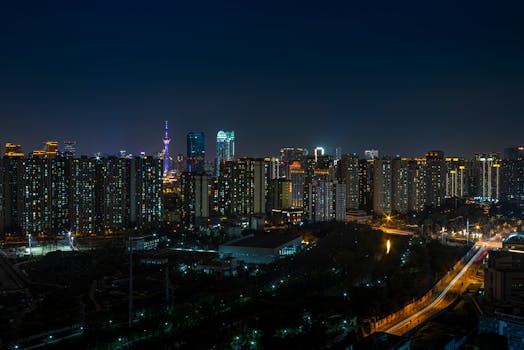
403	77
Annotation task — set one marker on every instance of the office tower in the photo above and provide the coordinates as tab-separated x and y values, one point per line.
400	185
347	173
196	152
51	149
194	199
69	149
371	154
435	175
416	184
455	181
382	186
225	148
166	140
243	186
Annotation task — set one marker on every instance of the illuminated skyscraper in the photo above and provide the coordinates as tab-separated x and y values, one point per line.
455	177
166	141
297	176
225	148
486	175
51	149
371	154
196	152
319	151
69	149
13	150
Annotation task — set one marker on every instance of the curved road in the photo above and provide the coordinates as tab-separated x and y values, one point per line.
410	322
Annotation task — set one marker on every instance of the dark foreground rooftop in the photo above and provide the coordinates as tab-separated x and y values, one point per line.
264	240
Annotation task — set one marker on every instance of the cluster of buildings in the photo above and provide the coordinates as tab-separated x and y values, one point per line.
51	192
298	186
503	314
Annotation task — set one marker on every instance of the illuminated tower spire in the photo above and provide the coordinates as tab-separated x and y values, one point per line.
166	141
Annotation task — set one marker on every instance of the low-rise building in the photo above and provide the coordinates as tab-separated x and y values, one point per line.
261	248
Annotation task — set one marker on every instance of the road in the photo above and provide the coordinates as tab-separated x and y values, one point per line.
443	299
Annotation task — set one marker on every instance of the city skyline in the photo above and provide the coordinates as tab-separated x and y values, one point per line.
352	75
211	150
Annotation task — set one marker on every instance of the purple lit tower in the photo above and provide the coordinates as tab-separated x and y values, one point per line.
166	141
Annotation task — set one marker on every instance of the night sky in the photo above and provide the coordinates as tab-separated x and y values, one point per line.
402	77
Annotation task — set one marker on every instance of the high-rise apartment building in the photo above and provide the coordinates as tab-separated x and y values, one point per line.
416	184
486	176
194	198
280	194
69	149
13	150
97	195
365	184
51	149
243	186
382	186
348	173
400	185
297	177
456	177
435	176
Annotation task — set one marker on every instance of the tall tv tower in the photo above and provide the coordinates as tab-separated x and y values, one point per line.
166	141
